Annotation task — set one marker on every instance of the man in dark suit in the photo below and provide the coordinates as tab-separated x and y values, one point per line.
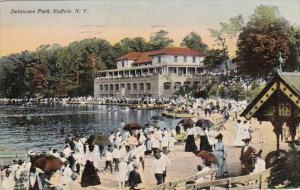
247	157
134	178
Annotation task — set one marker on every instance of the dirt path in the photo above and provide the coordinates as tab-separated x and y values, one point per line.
185	164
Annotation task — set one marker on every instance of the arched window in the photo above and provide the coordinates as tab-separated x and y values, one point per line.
141	86
128	86
177	85
167	85
117	87
148	86
134	86
101	87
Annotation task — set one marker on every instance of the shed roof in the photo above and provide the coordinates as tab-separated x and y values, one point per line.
286	82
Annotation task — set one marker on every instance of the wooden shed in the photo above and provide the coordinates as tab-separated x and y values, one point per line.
279	103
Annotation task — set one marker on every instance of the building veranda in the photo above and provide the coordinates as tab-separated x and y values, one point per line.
158	73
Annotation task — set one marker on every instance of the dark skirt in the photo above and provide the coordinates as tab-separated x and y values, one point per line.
204	144
89	175
190	145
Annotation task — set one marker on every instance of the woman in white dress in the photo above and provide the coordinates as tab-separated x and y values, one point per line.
220	153
8	182
238	134
121	174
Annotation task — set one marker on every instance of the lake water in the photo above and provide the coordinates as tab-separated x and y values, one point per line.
39	127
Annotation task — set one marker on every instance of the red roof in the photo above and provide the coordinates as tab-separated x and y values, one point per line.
130	56
145	57
177	51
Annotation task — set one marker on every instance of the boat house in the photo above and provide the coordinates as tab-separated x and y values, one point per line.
157	73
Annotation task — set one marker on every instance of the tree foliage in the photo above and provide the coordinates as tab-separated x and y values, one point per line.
265	35
22	75
194	41
213	58
159	40
227	30
137	44
53	70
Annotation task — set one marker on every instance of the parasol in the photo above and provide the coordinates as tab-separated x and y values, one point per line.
98	139
187	123
132	126
204	123
48	163
208	156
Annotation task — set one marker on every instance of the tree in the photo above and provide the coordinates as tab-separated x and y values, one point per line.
160	40
49	55
194	41
266	34
214	58
227	30
24	77
126	45
84	58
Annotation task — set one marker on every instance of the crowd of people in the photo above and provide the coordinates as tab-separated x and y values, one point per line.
124	154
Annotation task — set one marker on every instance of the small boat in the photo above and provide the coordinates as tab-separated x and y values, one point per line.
177	115
134	106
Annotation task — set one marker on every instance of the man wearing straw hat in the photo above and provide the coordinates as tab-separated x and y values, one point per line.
247	157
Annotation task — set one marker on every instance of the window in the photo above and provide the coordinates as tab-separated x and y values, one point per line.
111	87
194	59
196	84
117	87
167	85
159	59
128	86
141	86
184	58
134	86
101	87
175	59
106	87
122	85
122	63
187	84
148	86
177	85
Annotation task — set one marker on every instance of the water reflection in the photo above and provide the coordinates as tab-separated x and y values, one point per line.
23	128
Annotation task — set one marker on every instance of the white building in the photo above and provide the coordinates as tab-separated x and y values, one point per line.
154	73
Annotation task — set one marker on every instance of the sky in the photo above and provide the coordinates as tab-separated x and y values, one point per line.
116	19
